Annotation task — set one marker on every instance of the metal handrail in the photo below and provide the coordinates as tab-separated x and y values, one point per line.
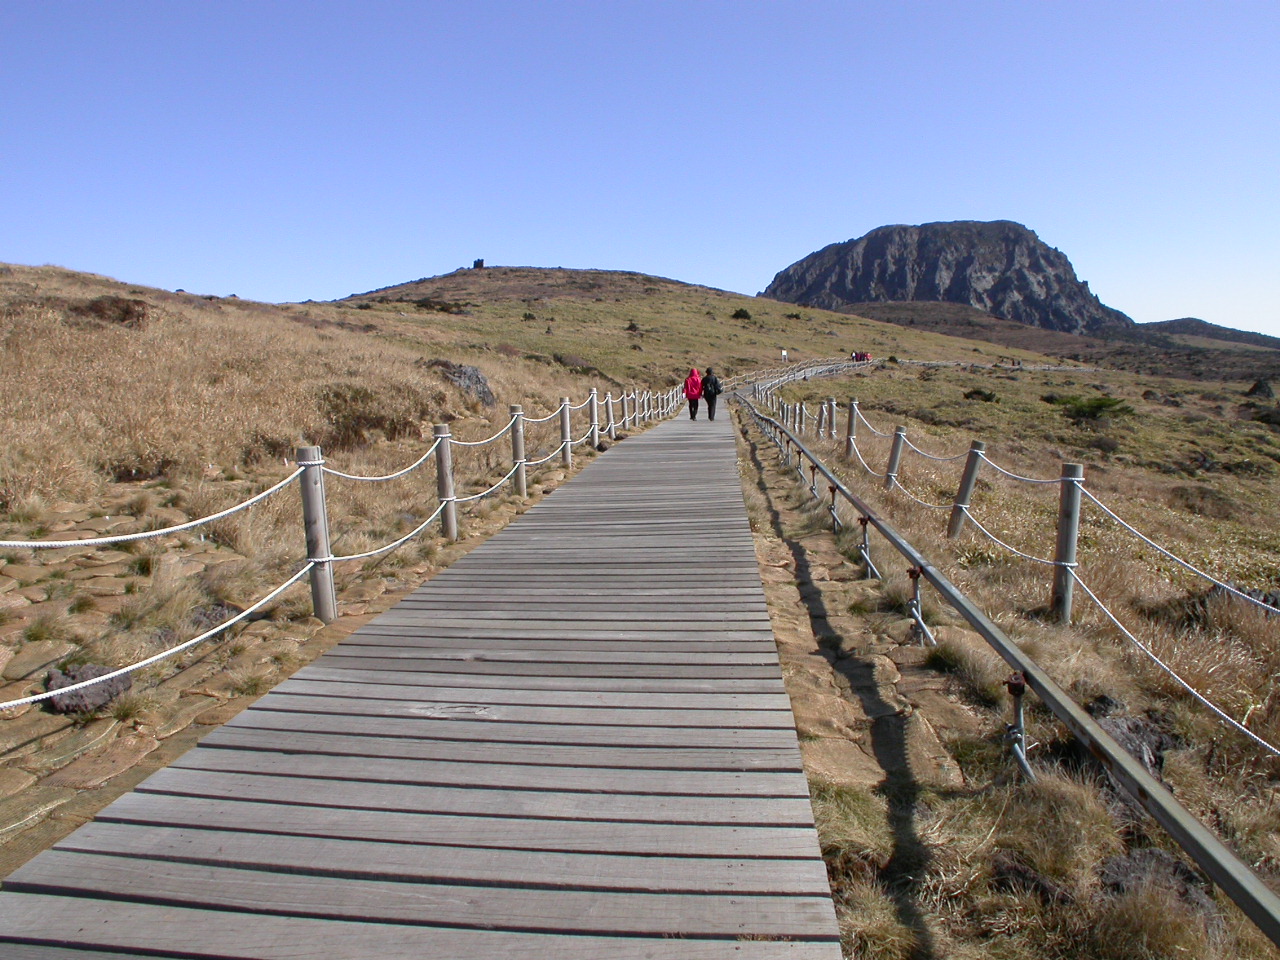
1241	884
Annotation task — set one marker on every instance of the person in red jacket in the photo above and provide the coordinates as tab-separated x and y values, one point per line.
693	392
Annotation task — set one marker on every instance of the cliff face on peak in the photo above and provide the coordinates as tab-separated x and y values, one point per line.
999	267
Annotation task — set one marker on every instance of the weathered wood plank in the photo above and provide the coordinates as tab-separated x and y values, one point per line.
460	830
174	930
479	801
266	716
340	742
496	776
488	907
419	862
521	713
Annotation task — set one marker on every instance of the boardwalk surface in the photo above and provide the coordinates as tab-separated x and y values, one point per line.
573	743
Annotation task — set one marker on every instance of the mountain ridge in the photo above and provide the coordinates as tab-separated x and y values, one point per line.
999	266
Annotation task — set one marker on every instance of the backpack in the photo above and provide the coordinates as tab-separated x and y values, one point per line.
710	387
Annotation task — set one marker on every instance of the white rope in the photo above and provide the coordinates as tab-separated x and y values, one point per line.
476	496
1014	476
865	465
172	650
549	456
1176	559
549	416
923	503
580	405
1231	721
165	531
991	536
390	476
870	427
581	439
481	443
930	456
396	543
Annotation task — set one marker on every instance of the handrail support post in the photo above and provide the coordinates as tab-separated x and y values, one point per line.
444	482
1068	536
315	520
964	496
517	450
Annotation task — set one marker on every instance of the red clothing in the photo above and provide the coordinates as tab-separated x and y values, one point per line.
693	386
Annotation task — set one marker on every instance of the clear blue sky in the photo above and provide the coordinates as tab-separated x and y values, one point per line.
291	150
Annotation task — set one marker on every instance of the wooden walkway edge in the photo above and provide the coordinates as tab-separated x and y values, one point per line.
573	743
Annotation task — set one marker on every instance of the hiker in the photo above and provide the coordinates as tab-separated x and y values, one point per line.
693	392
710	390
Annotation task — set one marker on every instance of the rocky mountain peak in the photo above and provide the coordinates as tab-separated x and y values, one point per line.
997	266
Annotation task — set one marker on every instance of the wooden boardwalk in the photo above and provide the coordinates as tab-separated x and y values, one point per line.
573	743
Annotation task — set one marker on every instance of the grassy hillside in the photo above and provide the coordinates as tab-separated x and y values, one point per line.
1188	350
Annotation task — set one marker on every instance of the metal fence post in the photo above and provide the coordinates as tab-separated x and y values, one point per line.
595	417
1068	534
444	482
895	457
517	449
822	419
964	495
831	416
608	407
851	430
566	434
315	522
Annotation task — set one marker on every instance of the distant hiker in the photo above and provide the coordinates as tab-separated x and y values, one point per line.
784	356
710	390
693	392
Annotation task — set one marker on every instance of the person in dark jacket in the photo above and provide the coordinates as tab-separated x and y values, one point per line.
710	390
693	392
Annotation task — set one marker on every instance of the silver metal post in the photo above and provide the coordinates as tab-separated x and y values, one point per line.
895	457
831	416
1068	536
864	550
517	450
964	496
444	482
1016	732
608	408
851	431
566	434
315	522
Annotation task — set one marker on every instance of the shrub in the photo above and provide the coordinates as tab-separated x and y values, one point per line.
986	396
742	313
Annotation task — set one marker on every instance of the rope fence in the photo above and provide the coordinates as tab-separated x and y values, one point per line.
1248	891
311	470
1072	491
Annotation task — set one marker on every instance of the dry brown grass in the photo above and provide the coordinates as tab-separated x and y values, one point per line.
1012	869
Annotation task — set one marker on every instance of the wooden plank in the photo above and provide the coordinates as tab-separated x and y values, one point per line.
419	862
478	801
436	691
416	748
392	660
174	930
498	653
351	670
460	830
264	715
496	776
488	907
521	713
